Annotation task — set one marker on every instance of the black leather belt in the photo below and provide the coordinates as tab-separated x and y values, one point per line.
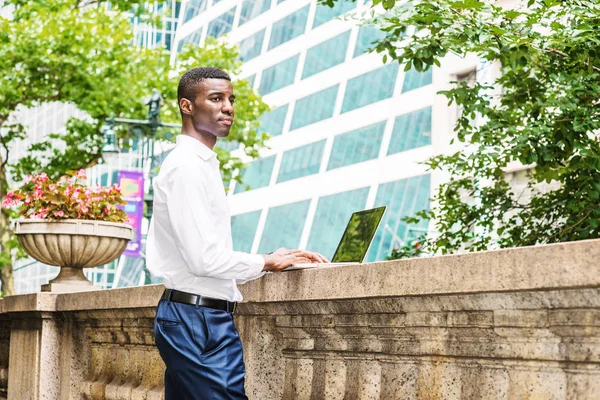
193	299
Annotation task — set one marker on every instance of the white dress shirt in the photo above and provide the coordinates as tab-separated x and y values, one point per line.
189	242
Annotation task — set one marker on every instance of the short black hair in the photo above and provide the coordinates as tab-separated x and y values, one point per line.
190	80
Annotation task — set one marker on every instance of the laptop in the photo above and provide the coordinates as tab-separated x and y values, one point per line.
355	241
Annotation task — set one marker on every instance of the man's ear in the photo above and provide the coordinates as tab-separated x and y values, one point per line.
186	106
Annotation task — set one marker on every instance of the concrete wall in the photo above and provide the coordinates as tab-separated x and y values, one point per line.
512	324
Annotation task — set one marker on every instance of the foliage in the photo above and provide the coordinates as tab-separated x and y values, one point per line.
408	250
79	52
541	111
42	198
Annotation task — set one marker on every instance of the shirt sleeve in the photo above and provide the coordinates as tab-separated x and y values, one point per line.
196	238
242	281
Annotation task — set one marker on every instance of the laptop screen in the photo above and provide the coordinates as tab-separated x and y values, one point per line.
358	235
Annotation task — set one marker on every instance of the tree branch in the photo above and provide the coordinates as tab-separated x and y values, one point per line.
5	145
560	53
549	50
571	227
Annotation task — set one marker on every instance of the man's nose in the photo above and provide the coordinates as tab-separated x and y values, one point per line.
227	107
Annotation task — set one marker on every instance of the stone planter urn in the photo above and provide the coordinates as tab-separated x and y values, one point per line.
72	245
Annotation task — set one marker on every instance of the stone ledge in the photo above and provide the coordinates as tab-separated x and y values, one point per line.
546	267
113	299
29	302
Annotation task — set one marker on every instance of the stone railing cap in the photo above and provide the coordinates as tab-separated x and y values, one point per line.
555	266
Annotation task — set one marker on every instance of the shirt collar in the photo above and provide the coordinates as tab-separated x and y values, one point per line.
195	146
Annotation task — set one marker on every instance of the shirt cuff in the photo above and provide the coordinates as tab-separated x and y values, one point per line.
256	262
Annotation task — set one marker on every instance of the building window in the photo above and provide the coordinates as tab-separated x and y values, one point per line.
222	24
326	55
243	229
256	175
367	36
272	122
470	79
251	46
370	88
325	13
302	161
160	157
194	8
314	107
251	80
356	146
252	9
283	227
404	198
288	27
411	130
193	38
279	75
228	145
414	79
331	217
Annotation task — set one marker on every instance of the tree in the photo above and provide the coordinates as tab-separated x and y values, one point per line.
79	52
547	116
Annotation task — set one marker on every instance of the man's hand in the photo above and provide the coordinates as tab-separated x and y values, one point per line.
282	258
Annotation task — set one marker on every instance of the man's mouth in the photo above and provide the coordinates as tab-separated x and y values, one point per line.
226	121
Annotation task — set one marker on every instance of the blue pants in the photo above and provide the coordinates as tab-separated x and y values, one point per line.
202	350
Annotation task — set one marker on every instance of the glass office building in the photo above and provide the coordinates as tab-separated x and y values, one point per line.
162	34
348	131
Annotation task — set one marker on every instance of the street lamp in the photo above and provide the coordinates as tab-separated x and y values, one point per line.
110	148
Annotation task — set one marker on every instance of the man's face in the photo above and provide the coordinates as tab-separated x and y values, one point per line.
212	110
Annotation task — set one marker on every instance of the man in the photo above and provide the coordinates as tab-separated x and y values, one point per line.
190	247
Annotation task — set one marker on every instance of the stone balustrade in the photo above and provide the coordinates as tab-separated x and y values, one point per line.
513	324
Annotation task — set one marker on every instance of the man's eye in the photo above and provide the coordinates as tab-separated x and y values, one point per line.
216	99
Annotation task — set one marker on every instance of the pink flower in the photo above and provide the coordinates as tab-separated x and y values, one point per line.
28	200
84	209
106	210
416	245
37	194
52	187
37	216
43	177
81	174
59	213
27	179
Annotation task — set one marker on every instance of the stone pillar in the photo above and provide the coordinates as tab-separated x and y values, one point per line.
35	345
